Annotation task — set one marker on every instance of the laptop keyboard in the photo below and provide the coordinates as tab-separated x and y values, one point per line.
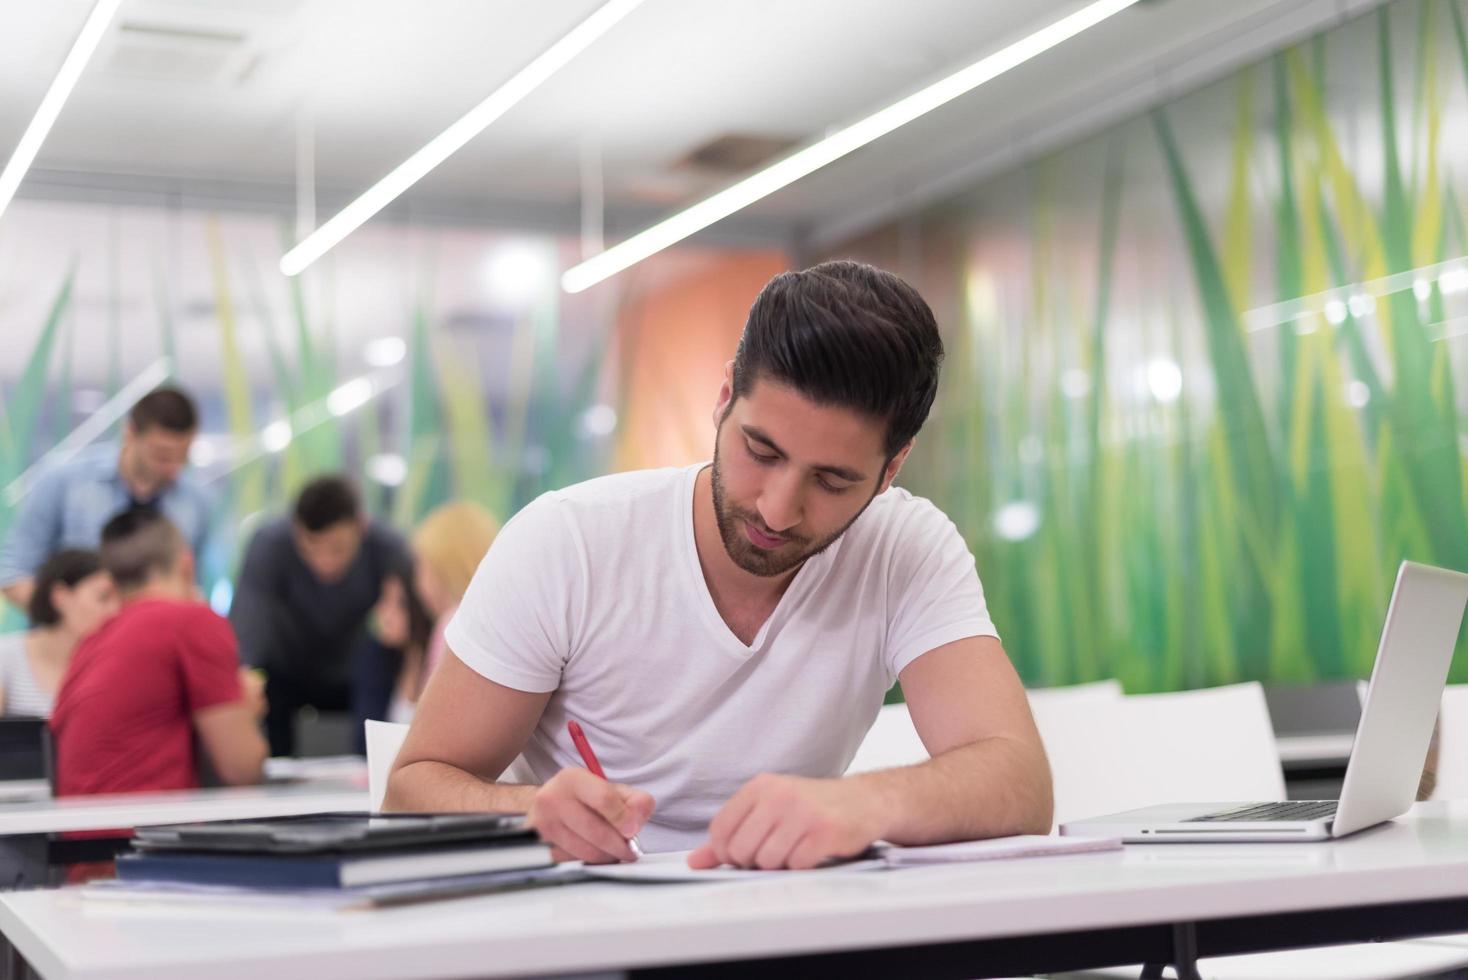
1295	810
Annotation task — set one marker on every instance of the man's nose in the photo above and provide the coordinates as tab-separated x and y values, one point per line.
782	503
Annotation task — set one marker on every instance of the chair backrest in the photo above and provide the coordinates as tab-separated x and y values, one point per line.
1452	745
23	749
384	738
893	741
1214	744
1045	697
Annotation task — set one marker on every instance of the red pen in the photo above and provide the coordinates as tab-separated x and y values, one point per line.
589	758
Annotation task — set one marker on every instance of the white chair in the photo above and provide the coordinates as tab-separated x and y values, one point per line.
1452	745
1058	697
384	739
1452	782
893	740
1106	756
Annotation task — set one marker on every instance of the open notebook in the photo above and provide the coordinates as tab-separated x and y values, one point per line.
673	866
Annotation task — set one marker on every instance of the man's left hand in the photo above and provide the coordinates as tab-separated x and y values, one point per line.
779	821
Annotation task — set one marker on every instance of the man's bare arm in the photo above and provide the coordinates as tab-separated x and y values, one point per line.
988	775
230	735
466	732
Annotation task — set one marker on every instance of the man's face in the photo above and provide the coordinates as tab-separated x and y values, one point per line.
790	475
329	552
156	456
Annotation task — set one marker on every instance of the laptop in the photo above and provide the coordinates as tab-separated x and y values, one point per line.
1412	660
25	762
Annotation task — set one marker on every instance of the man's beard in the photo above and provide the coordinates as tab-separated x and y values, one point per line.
756	560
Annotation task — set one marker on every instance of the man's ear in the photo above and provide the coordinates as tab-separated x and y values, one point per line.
894	467
726	394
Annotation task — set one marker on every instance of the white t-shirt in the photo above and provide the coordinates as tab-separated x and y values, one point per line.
595	592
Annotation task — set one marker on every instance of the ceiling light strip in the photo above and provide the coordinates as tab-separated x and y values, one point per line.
451	140
817	155
40	126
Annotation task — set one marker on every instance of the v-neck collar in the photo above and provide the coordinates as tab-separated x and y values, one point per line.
806	580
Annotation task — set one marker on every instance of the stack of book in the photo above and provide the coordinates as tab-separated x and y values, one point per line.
351	856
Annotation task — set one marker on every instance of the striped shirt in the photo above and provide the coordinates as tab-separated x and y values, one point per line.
23	696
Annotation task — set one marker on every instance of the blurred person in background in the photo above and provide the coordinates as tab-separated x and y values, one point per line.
303	601
72	597
447	547
158	679
69	503
390	675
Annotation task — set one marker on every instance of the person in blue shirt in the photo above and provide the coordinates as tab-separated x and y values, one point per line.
69	504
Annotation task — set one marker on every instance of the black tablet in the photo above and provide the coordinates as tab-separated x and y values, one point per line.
326	832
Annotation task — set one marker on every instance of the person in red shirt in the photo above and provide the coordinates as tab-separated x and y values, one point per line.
160	678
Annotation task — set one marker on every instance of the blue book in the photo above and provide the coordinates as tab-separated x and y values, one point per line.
329	870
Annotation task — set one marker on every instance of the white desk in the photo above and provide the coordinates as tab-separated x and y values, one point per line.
146	809
1014	916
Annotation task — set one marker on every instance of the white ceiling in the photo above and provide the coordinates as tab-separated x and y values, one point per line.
221	100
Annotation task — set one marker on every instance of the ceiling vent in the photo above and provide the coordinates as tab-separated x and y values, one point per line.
172	52
735	153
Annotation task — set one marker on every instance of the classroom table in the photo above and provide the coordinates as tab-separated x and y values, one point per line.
1159	902
102	812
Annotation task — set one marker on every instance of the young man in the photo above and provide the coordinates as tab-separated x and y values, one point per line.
725	634
68	505
303	599
159	677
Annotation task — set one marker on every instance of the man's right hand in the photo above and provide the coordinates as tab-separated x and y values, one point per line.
583	816
252	687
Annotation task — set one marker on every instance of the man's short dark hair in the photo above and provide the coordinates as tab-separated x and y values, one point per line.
167	408
67	567
138	542
325	501
848	334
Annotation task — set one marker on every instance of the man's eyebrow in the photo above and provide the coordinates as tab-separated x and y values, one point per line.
839	472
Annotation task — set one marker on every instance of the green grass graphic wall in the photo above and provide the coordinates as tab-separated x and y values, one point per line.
1204	385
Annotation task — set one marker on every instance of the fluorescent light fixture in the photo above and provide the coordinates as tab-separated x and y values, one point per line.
453	139
384	352
350	396
1017	520
71	69
516	273
1359	299
388	469
1164	379
817	155
276	436
598	421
